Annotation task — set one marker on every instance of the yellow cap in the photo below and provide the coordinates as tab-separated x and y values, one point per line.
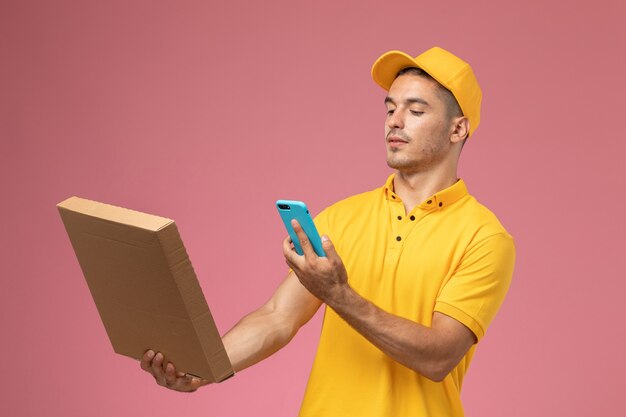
447	69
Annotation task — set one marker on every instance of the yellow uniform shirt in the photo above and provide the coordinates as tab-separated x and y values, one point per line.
450	254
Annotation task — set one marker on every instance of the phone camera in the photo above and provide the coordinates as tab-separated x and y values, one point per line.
284	206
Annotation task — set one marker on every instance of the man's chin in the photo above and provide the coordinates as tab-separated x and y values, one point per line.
396	164
403	165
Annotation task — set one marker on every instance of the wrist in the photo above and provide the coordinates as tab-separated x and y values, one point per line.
341	297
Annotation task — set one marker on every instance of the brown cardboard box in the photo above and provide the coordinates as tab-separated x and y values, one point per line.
144	286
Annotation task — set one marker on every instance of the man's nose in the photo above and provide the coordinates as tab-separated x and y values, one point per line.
396	120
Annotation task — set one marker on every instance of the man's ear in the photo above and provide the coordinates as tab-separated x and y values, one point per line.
460	129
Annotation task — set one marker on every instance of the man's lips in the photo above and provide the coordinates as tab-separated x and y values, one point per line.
395	140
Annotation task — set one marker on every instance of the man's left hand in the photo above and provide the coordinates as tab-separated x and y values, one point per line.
324	277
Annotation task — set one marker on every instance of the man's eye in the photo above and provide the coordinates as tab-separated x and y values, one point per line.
390	112
417	113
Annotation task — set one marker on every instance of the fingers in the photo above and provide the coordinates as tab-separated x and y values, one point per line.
287	245
329	248
146	360
307	248
156	368
290	254
165	373
170	375
196	382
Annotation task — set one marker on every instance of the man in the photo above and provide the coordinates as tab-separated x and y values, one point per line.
415	272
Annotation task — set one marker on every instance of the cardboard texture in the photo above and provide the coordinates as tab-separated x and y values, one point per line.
144	286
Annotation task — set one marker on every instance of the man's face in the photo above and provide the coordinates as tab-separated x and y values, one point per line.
417	128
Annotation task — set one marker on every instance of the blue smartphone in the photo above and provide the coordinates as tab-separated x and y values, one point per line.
288	210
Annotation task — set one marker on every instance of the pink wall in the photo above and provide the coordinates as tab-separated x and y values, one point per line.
207	112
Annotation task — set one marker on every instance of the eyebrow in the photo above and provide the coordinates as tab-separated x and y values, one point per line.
408	100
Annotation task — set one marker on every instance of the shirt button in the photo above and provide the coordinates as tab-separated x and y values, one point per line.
429	201
440	204
399	217
398	238
393	196
412	218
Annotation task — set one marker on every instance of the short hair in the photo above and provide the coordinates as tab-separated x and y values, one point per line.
452	106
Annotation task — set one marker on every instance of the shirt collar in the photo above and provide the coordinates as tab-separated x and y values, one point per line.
439	200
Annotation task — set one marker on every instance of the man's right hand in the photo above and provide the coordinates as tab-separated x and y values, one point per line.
166	374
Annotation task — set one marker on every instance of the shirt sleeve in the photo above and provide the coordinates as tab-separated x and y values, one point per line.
321	223
476	290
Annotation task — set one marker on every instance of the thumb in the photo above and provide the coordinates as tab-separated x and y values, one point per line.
328	246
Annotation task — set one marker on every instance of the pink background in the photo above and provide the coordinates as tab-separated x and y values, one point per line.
207	112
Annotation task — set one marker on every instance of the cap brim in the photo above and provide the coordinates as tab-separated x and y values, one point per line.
386	67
